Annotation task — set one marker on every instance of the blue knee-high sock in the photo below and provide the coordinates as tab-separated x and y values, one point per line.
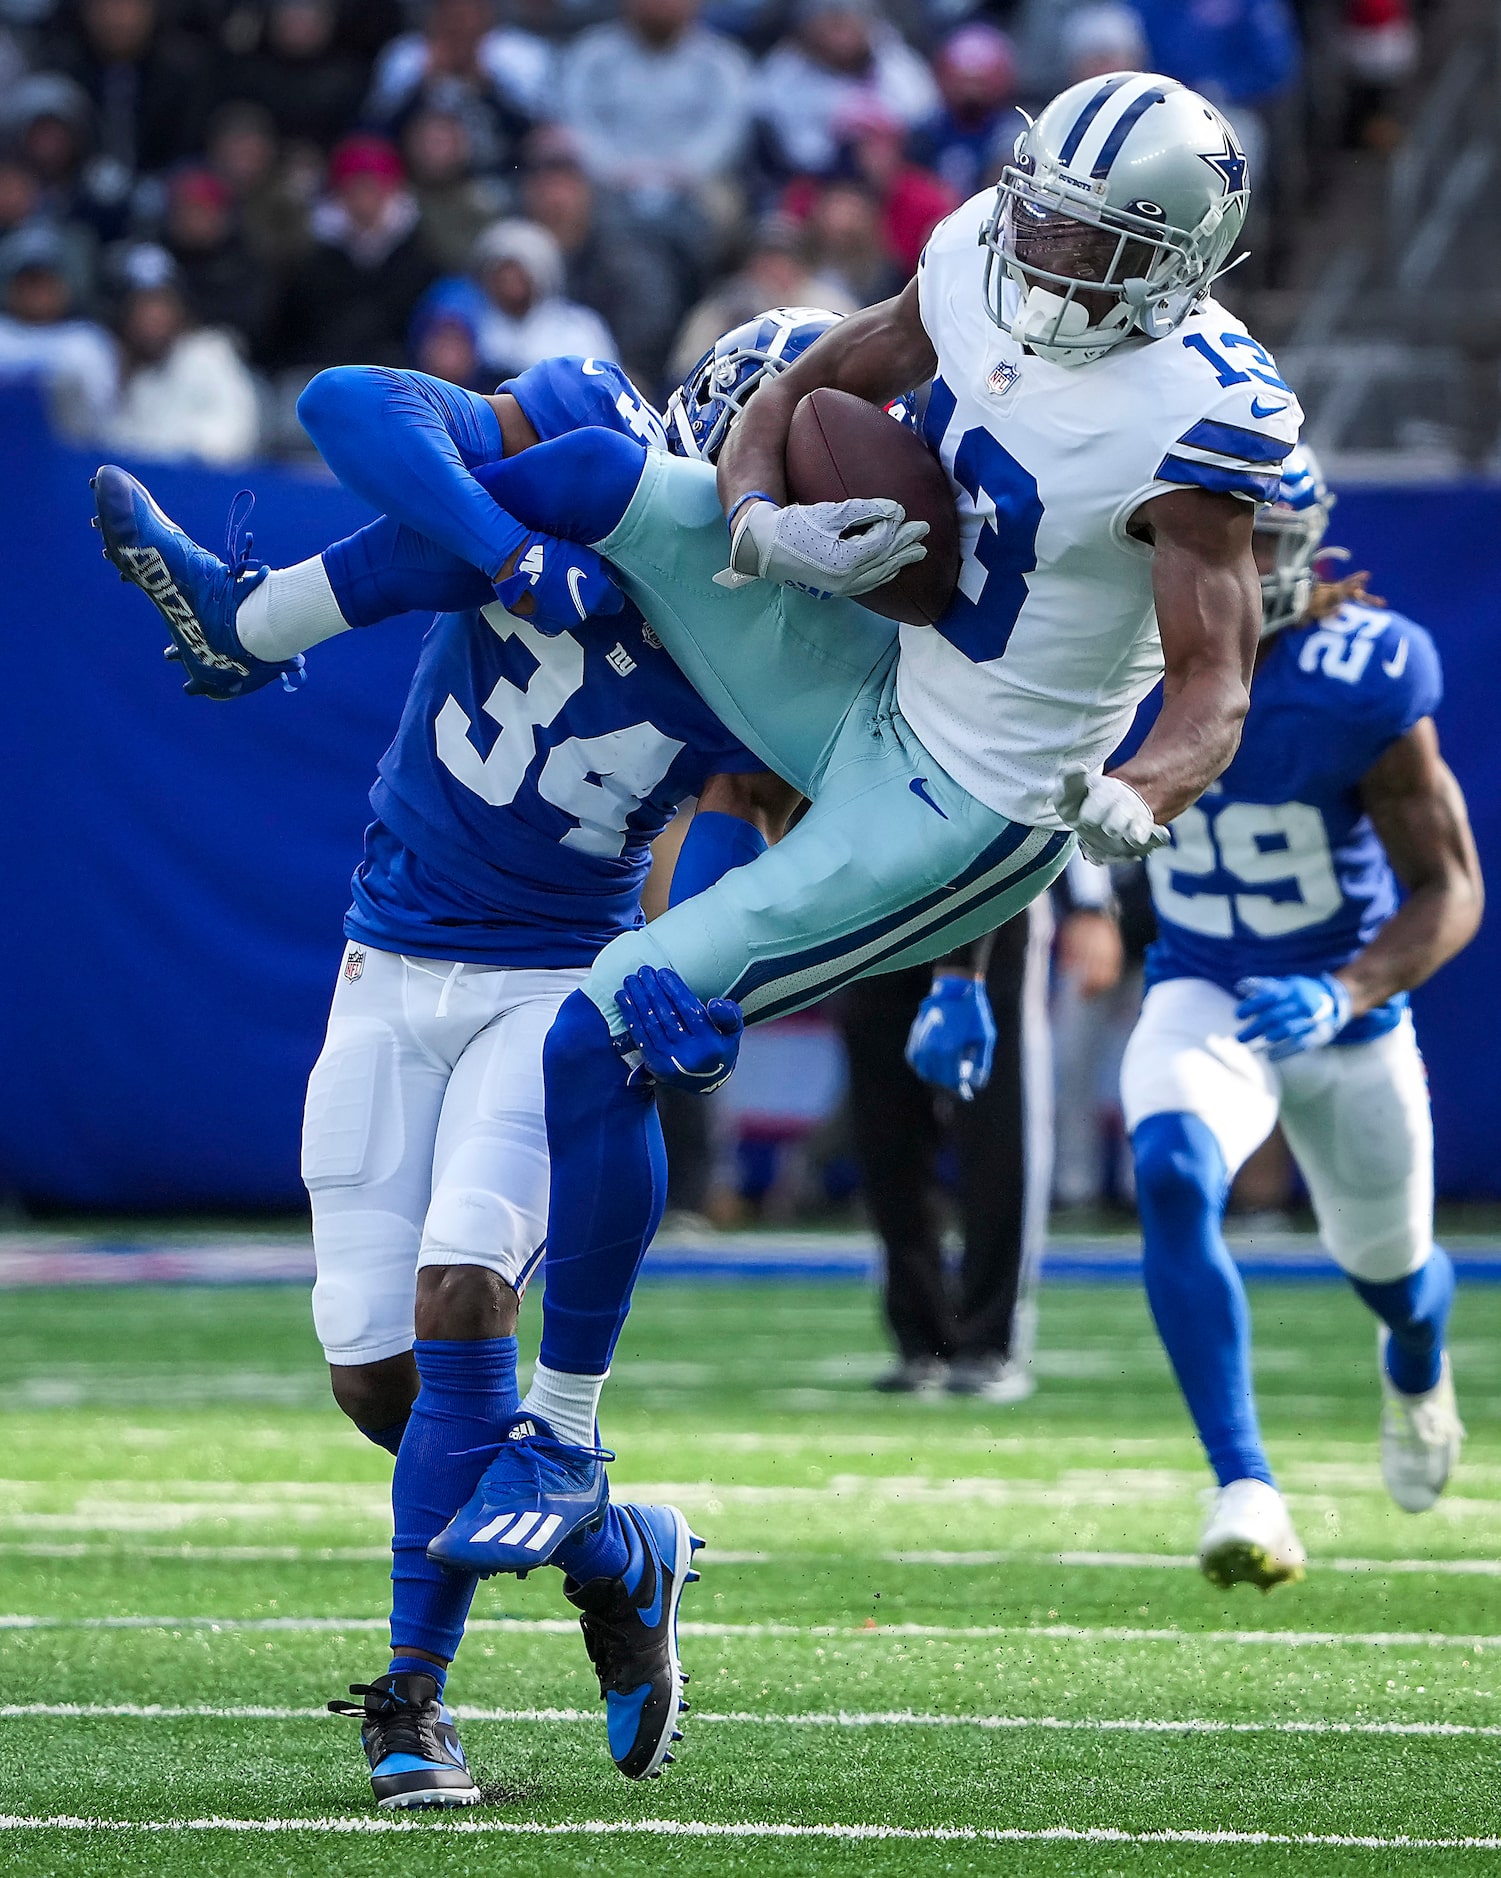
388	568
1416	1311
468	1394
1195	1292
608	1186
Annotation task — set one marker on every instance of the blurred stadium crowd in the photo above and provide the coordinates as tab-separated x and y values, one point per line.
202	202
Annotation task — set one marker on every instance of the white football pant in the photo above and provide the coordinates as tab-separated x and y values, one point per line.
423	1140
1356	1117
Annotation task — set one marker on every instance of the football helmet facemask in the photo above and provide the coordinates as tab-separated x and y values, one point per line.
1292	527
1115	217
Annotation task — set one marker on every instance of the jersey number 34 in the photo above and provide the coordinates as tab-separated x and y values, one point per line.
596	781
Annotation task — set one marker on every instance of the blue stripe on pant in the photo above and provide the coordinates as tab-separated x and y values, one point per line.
925	930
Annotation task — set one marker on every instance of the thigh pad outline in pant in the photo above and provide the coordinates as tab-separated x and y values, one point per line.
1358	1122
490	1163
1183	1059
373	1105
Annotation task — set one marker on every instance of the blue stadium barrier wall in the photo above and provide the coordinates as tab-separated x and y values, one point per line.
176	871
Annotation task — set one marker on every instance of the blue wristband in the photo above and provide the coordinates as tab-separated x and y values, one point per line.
715	842
751	495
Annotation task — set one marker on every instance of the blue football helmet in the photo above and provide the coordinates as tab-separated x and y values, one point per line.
701	410
1295	522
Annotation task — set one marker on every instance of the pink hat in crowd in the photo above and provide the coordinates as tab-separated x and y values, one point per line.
364	155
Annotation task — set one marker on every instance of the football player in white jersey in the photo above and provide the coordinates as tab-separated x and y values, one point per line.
1278	987
1109	431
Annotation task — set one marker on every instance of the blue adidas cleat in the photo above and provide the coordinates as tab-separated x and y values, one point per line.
196	593
535	1494
630	1627
411	1742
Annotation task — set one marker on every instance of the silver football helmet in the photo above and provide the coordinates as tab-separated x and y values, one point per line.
1115	217
1295	521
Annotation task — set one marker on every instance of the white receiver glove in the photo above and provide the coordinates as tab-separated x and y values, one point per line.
1112	821
825	548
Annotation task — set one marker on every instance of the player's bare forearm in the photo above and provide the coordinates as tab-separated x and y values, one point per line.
1418	811
876	355
760	798
1208	603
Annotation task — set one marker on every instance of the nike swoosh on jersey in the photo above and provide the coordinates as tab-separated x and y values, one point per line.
919	788
1258	409
1397	663
593	368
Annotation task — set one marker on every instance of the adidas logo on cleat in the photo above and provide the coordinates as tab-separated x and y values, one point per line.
516	1529
523	1431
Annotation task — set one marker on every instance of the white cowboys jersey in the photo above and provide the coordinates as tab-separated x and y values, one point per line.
1051	641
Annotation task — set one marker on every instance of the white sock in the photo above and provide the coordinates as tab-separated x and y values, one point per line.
569	1403
292	609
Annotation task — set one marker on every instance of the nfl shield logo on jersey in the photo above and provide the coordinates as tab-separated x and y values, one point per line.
354	963
1002	378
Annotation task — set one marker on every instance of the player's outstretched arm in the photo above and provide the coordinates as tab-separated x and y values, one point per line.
1418	811
1209	614
876	355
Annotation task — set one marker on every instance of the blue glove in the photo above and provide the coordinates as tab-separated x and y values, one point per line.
952	1040
568	585
682	1040
1285	1016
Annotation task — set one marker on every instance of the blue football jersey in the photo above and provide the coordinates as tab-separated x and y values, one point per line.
529	775
1277	869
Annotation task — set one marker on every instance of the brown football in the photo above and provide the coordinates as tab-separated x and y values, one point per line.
840	446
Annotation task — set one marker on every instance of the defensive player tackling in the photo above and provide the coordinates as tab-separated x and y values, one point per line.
1278	988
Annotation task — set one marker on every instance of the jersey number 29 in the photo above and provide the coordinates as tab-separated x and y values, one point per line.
597	781
1259	843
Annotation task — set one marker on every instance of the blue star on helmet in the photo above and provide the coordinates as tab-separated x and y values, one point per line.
1231	164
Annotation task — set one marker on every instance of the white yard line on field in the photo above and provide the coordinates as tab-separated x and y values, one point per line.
745	1718
1185	1561
375	1555
1067	1633
762	1829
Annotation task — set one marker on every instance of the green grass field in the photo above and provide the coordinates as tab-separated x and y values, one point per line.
930	1637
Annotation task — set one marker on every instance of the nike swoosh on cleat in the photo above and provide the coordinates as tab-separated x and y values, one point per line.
919	788
1258	409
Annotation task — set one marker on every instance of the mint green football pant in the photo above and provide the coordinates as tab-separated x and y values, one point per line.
892	865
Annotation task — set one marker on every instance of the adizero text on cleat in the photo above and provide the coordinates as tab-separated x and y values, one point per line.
196	593
536	1493
630	1627
411	1743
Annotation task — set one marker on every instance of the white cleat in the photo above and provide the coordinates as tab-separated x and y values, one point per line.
1420	1436
1249	1539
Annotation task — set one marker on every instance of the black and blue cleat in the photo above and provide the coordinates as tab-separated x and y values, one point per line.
411	1742
630	1627
534	1496
196	593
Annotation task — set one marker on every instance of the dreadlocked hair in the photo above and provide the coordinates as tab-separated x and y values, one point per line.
1329	596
